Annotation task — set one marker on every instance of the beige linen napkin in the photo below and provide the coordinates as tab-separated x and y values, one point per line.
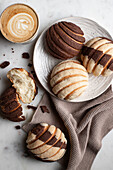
86	122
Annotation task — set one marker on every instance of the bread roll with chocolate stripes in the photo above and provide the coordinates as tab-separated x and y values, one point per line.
46	142
64	40
10	105
69	79
97	56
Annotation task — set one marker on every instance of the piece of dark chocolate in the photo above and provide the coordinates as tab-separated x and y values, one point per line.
44	109
4	64
26	55
31	107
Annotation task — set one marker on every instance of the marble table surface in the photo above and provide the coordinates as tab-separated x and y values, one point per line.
12	150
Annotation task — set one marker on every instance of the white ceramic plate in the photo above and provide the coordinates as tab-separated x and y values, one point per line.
44	62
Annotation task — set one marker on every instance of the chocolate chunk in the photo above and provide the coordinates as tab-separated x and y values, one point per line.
4	64
31	107
25	55
30	65
12	48
12	51
44	109
17	127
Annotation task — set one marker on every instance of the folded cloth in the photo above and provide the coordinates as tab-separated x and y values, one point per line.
86	122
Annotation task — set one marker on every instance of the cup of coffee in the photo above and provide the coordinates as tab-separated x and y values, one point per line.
19	23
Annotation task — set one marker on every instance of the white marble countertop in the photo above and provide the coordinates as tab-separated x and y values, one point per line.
12	155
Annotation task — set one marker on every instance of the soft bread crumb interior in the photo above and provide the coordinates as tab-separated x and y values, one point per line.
23	83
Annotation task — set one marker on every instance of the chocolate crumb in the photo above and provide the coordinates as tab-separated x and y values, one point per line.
4	64
25	55
3	54
17	127
12	48
30	65
44	109
12	51
31	107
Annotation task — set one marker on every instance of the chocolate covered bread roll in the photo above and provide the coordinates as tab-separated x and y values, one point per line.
10	105
46	142
64	40
24	84
97	56
69	79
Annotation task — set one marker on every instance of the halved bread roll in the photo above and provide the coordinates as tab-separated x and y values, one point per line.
24	84
46	142
97	56
69	79
10	105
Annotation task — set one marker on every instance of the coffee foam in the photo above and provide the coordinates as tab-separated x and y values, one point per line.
19	23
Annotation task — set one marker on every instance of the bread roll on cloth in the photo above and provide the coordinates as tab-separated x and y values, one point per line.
46	142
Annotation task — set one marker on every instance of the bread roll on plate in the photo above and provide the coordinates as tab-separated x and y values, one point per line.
69	79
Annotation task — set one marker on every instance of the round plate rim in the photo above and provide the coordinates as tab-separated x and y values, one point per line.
35	47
